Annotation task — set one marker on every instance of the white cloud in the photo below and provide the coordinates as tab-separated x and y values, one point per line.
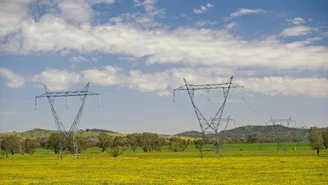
325	34
94	59
218	47
231	25
101	1
150	7
147	82
316	87
106	76
203	23
183	45
78	59
203	8
245	11
12	14
57	79
13	80
208	5
296	31
164	82
78	11
303	43
136	19
296	21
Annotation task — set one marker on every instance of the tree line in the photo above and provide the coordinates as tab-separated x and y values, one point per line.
12	144
116	145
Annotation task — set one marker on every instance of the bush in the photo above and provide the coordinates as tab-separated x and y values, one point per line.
116	151
178	145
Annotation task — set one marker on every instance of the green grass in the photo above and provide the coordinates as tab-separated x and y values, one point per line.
231	150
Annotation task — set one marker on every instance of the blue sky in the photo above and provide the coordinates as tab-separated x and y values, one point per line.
134	53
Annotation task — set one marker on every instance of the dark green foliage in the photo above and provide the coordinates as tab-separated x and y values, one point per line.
99	130
239	134
82	143
53	142
316	139
105	141
150	142
42	142
252	138
178	145
118	141
116	151
29	145
11	144
132	141
198	143
325	138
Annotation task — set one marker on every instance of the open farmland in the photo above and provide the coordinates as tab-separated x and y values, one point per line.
241	164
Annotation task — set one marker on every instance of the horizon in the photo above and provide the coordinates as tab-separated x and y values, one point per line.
135	53
112	131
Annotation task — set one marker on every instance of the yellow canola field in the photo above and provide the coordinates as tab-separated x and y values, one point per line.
122	170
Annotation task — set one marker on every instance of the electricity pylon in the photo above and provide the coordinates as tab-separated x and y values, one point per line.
66	136
280	122
214	122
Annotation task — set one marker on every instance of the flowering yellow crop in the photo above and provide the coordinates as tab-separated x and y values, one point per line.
130	170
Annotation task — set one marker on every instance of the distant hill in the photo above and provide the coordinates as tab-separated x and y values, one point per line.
192	133
40	129
269	132
99	130
44	133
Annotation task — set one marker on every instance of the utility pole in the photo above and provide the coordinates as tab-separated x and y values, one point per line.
280	122
66	136
214	122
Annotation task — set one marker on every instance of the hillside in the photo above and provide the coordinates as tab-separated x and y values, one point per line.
43	133
262	132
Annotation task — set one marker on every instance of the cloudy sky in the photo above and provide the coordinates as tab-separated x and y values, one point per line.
135	52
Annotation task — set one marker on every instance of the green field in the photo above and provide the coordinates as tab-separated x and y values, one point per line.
240	164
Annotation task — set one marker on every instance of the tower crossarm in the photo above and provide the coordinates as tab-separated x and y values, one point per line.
66	94
281	121
208	86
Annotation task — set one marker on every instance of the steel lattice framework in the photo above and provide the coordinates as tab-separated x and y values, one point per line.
214	122
280	122
67	136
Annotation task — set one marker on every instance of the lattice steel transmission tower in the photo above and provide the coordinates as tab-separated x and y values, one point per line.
214	122
67	136
280	123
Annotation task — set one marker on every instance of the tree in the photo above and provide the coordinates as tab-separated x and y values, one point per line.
42	141
116	149
105	141
177	144
118	141
150	142
53	142
316	139
252	138
11	144
198	143
325	138
82	143
29	145
132	141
